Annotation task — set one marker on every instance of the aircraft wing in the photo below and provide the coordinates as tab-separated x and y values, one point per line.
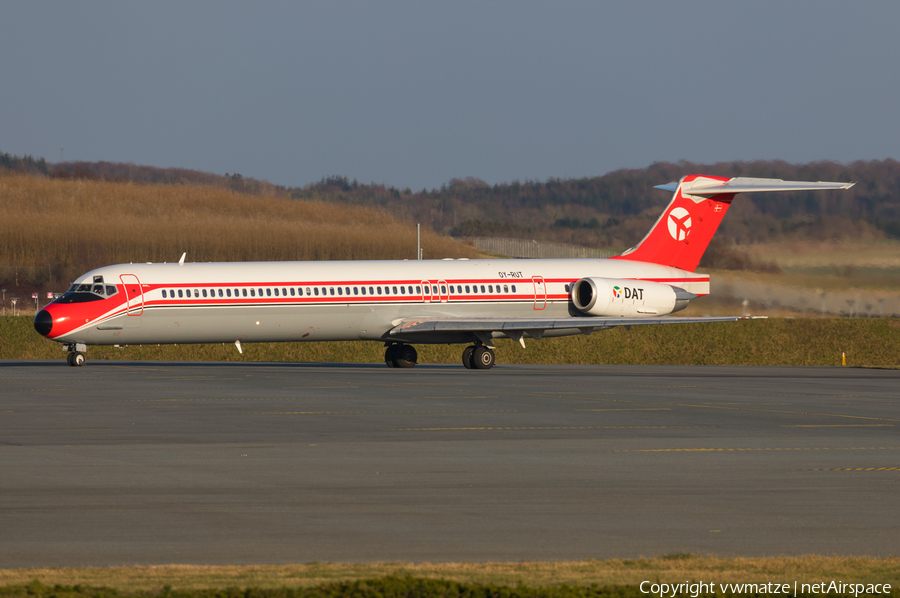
518	328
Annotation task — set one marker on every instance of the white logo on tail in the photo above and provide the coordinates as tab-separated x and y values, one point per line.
679	224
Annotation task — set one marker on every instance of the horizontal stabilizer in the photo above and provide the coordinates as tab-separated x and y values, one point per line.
705	187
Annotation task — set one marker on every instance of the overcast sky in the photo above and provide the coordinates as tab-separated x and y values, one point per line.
416	93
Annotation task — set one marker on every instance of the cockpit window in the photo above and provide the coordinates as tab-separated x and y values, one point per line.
84	292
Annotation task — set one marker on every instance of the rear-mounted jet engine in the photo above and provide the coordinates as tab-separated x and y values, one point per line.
619	297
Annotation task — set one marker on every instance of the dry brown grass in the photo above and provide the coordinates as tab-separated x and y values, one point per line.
53	230
543	573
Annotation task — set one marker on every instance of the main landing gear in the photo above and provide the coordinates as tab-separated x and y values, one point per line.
400	356
478	357
75	359
475	357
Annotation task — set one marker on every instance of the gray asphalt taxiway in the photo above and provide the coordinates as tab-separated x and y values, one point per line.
151	463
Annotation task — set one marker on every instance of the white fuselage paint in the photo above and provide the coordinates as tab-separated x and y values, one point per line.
541	288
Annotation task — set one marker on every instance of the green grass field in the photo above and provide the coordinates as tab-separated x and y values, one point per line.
615	577
871	342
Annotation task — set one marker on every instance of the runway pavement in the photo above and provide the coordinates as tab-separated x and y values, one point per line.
151	463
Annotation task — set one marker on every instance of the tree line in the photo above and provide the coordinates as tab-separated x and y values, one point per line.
613	210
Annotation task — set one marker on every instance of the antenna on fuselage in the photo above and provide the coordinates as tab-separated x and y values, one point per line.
181	261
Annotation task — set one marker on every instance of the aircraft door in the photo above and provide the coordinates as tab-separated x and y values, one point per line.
443	291
133	293
540	292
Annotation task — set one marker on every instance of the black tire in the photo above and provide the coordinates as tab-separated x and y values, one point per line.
78	359
69	359
405	356
467	357
389	354
483	358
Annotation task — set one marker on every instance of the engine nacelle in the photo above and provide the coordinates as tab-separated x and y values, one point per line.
619	297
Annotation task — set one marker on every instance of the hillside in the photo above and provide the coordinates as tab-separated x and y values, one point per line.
55	229
617	209
614	210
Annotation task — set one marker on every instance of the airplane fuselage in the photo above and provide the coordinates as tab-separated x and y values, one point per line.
328	301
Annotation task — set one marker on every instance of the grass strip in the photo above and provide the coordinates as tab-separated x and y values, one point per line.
777	341
676	568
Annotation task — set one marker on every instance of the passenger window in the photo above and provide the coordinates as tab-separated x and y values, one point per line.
371	291
418	290
505	289
356	290
283	292
443	290
292	291
220	292
180	295
378	289
482	288
164	293
514	288
253	292
340	291
490	288
244	292
467	289
228	292
268	292
451	289
276	292
363	290
402	290
317	291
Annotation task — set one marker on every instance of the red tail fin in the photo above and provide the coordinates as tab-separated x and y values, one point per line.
686	227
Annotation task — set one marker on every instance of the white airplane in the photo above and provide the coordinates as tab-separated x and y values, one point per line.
401	303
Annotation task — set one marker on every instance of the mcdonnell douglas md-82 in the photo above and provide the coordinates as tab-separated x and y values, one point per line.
401	303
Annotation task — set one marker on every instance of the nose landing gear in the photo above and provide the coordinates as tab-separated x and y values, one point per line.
75	359
400	356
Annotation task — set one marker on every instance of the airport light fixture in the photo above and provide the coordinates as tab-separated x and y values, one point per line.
13	301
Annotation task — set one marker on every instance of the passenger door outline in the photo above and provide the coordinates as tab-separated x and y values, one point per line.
134	294
540	292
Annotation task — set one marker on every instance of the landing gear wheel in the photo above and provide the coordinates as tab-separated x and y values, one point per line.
483	358
405	356
390	356
467	357
69	358
75	359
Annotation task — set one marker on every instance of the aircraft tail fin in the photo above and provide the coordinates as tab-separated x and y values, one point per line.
687	225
